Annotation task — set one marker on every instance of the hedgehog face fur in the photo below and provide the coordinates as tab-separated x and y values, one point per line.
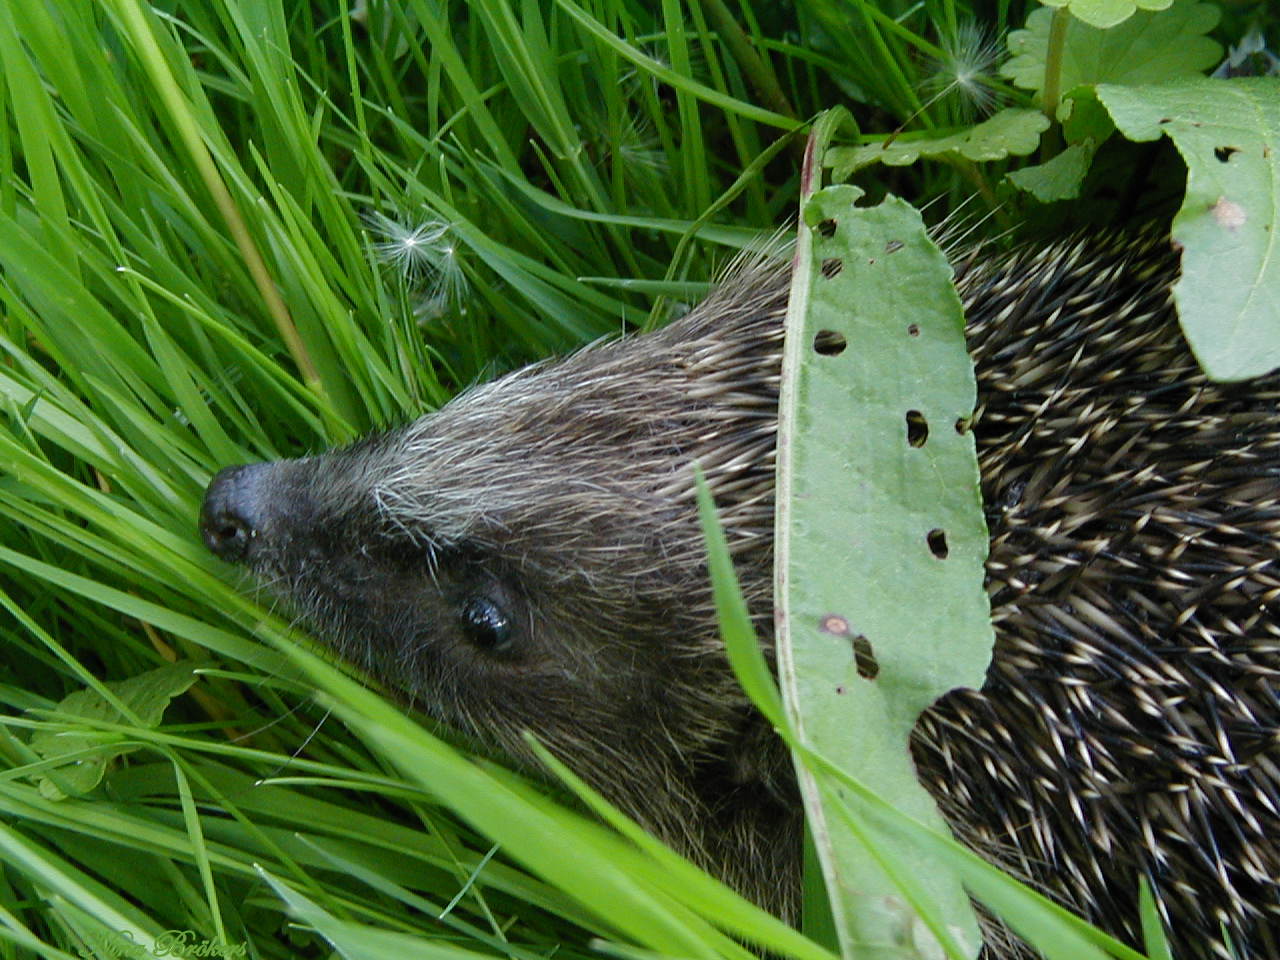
529	557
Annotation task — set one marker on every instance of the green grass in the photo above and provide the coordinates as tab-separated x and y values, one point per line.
192	199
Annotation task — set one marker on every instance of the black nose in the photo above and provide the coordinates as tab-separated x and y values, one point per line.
232	515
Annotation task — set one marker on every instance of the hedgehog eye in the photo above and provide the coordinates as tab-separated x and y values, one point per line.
486	625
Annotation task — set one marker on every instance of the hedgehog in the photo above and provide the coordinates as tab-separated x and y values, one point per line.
528	558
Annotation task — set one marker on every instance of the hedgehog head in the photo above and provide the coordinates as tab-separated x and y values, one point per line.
528	557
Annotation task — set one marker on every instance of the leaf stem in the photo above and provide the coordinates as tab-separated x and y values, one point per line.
1053	62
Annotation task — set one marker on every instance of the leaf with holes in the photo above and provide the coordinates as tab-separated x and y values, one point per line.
1228	132
881	544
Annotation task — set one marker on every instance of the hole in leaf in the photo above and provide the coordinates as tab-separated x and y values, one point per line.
864	658
962	425
913	330
938	543
1224	153
827	227
829	343
832	266
917	428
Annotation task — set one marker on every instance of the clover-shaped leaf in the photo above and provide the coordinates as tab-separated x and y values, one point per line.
1147	47
1107	13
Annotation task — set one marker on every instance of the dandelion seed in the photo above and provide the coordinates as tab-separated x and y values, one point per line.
449	282
638	147
409	249
966	70
423	253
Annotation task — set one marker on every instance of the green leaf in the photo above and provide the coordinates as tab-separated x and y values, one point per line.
1146	48
356	941
739	636
1012	132
700	891
1052	930
143	699
1228	133
1153	936
661	72
605	874
881	544
1107	13
1085	119
62	882
1059	178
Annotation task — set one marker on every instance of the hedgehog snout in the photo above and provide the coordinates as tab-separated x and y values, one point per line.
235	511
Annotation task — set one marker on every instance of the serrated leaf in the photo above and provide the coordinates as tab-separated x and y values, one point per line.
1228	132
1106	13
1011	132
145	697
1148	47
881	542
